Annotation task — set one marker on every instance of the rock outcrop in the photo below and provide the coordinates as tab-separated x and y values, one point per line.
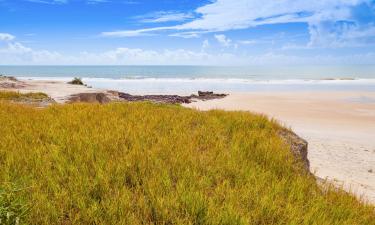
208	95
90	98
120	96
171	99
298	146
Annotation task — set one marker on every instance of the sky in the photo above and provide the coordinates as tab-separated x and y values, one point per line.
187	32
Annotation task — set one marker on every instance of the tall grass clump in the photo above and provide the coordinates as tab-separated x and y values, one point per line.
13	209
141	163
17	96
76	81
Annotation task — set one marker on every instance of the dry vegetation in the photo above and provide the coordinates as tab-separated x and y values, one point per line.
141	163
76	81
17	96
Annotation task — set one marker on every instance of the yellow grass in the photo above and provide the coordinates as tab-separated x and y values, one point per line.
17	96
141	163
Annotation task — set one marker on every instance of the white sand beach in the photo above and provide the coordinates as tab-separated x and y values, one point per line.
58	90
339	127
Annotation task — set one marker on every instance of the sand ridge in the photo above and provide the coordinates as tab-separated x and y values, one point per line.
338	126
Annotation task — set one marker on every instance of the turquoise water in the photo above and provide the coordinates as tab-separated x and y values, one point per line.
187	79
257	73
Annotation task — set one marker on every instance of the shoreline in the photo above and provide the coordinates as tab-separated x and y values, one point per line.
186	86
338	125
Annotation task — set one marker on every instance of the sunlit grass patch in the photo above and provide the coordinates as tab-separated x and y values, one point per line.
13	207
17	96
141	163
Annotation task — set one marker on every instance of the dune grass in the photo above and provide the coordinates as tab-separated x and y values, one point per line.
76	81
141	163
17	96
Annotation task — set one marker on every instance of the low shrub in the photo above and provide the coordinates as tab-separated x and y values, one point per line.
76	81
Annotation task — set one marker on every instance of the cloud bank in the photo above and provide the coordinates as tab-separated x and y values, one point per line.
331	23
13	52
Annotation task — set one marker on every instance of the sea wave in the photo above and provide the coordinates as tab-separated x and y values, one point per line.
188	85
211	80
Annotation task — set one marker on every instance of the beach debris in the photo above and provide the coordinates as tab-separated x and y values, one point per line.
370	171
171	99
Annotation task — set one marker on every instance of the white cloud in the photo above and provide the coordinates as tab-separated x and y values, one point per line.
205	44
345	35
15	53
224	15
133	33
223	40
55	2
185	35
6	37
18	54
165	16
248	42
97	1
51	2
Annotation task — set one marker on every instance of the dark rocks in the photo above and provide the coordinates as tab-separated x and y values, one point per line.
120	96
208	95
171	99
298	146
90	98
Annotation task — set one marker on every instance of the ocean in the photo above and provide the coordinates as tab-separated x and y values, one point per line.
189	79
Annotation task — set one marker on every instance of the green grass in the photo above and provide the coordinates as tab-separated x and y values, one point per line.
17	96
13	208
140	163
76	81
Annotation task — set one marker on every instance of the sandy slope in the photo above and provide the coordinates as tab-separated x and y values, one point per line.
339	126
58	90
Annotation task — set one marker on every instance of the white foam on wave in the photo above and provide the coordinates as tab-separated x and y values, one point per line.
189	85
209	80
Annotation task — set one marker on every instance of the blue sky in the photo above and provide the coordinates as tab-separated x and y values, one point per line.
164	32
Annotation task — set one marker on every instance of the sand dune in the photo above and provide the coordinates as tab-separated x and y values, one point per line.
339	126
